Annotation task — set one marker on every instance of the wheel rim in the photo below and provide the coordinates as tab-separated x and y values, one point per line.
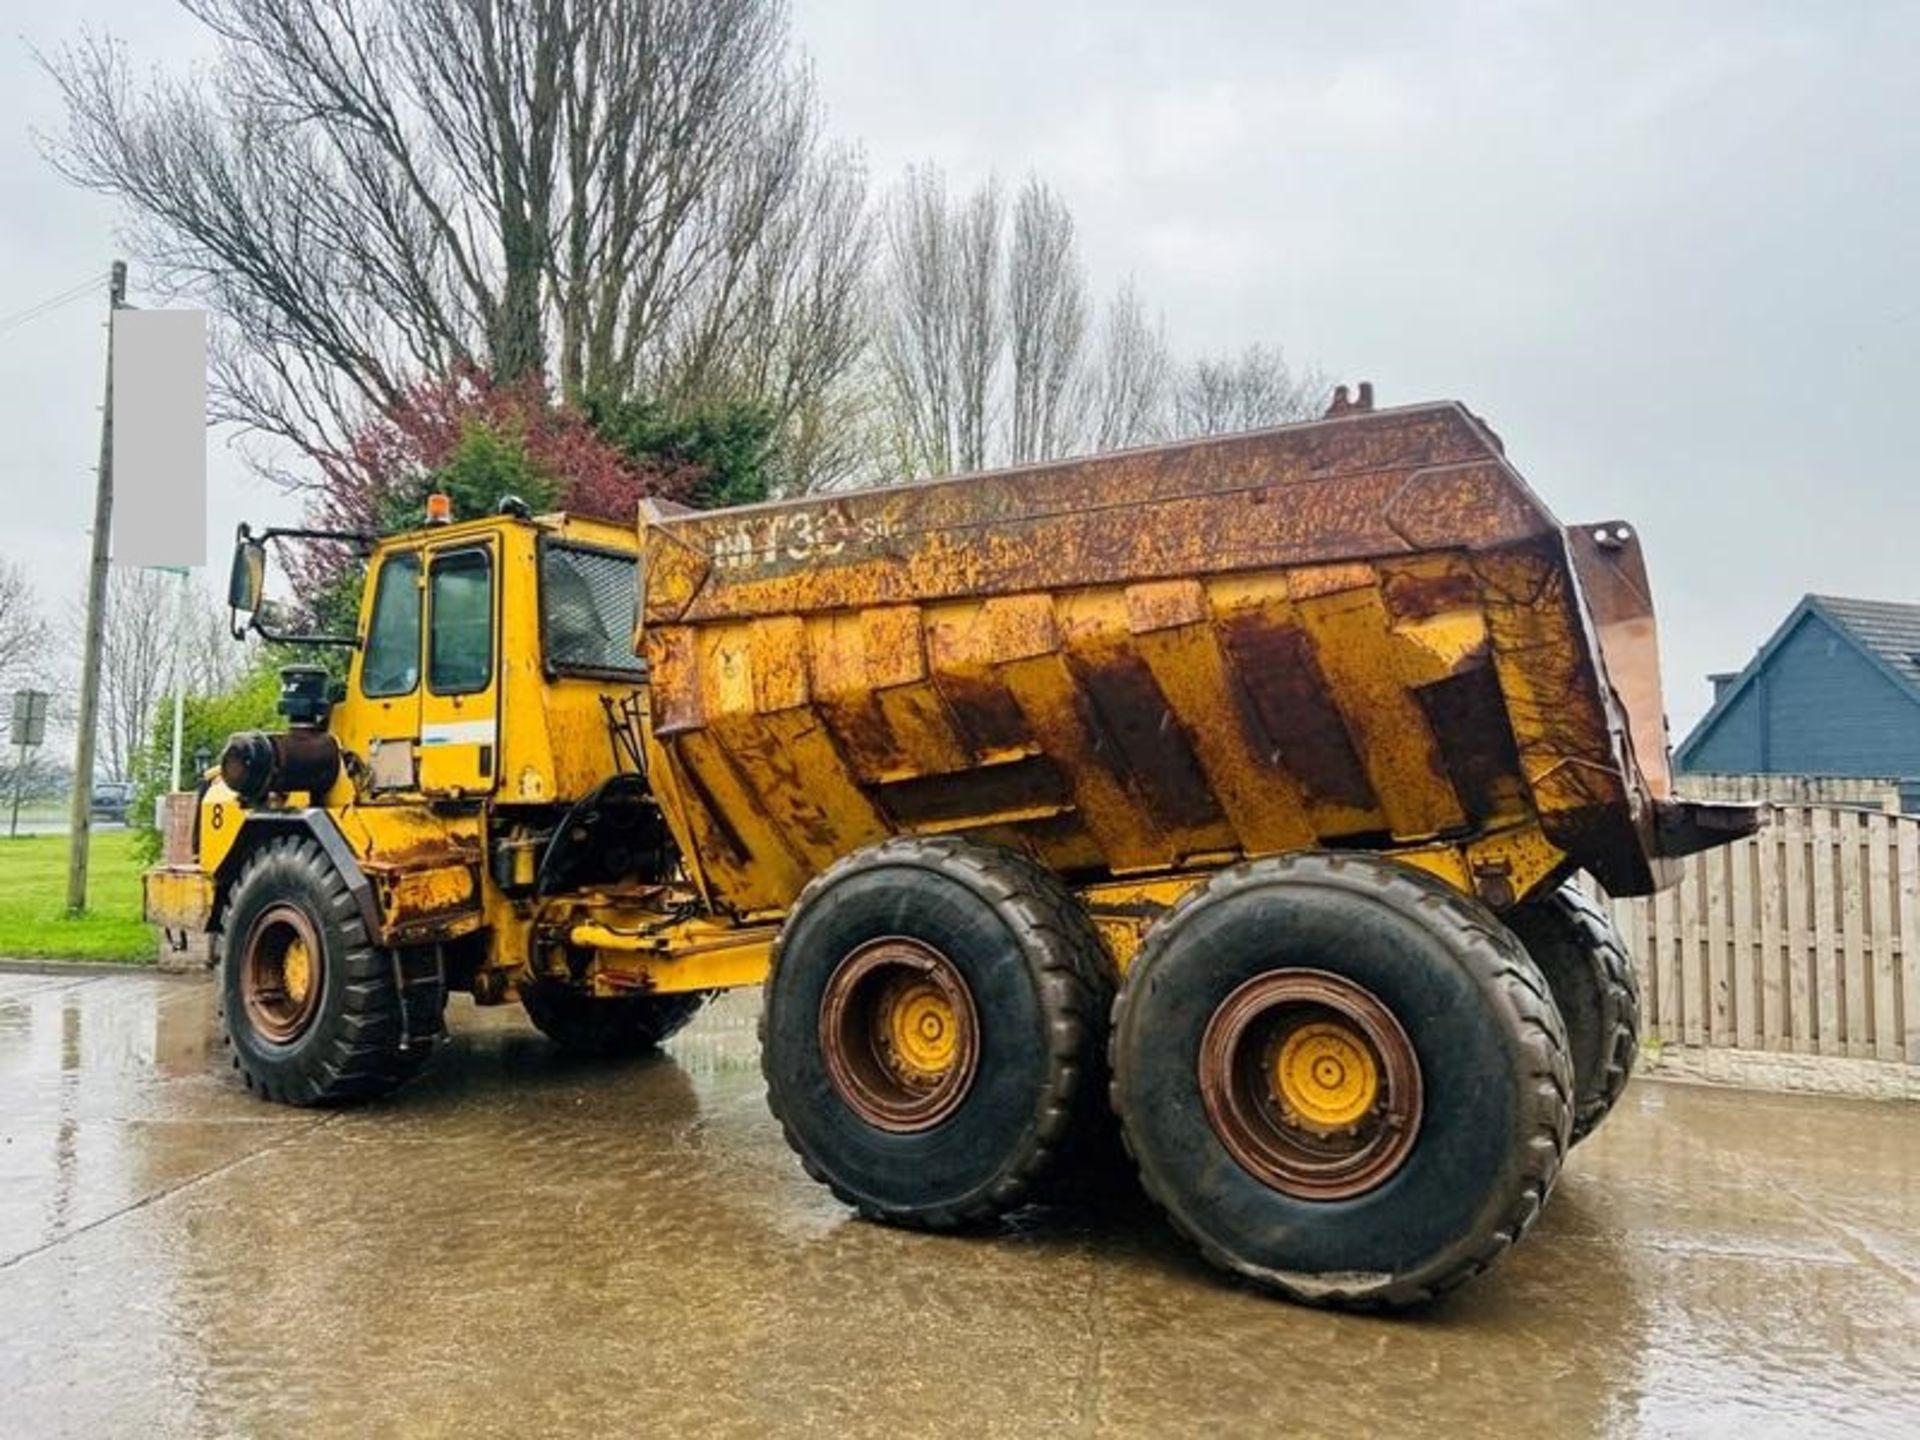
1311	1084
899	1034
282	976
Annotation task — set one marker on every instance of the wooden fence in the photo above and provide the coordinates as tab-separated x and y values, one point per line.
1854	791
1801	940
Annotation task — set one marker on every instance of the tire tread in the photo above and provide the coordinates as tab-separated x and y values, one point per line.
1590	949
362	1057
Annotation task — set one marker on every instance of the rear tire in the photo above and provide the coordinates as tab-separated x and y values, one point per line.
1091	1163
931	1029
1587	967
610	1026
1341	1079
312	1010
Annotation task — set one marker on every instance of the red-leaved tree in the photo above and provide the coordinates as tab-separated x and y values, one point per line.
478	440
402	452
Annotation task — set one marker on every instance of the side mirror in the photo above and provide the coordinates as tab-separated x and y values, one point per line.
249	576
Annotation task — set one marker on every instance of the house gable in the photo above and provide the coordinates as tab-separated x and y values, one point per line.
1815	701
1727	742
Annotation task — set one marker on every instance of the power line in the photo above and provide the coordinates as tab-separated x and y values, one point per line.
50	304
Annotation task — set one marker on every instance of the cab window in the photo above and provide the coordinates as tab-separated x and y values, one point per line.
391	665
587	602
460	646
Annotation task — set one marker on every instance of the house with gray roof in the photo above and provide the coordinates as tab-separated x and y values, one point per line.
1834	692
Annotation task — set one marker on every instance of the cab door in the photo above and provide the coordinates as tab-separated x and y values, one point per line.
459	712
388	725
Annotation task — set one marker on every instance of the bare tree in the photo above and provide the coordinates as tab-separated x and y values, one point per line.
987	356
158	634
784	322
981	326
211	661
627	198
980	302
1217	394
1046	328
24	638
143	609
1133	383
924	313
365	191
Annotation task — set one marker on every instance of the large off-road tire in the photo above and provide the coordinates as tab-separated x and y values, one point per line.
583	1024
1340	1078
1090	1163
313	1012
1591	975
932	1025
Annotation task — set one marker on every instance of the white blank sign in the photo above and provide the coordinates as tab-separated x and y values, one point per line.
160	437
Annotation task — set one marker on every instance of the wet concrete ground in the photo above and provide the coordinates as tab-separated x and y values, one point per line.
523	1245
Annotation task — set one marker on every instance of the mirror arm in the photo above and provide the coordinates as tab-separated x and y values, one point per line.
359	539
247	539
282	637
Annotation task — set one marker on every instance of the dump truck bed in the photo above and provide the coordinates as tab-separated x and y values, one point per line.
1362	632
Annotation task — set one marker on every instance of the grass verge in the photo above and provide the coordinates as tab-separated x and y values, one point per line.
33	900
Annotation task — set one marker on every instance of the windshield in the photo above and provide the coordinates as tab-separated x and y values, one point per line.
392	662
460	639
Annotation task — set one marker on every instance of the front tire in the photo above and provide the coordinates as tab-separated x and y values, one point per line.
313	1012
1343	1080
931	1029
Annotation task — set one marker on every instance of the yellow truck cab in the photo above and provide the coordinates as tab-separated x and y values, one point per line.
491	693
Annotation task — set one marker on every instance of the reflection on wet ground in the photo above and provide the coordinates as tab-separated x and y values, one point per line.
520	1244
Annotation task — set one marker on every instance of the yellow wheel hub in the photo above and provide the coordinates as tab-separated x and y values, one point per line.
1326	1077
296	971
921	1031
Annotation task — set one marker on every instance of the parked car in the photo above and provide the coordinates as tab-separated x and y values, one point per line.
110	800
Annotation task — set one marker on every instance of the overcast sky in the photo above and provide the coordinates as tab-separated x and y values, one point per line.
1669	252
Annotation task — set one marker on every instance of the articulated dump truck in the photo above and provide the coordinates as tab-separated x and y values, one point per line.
1228	794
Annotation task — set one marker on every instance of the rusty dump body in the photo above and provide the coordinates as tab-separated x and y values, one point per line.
1361	632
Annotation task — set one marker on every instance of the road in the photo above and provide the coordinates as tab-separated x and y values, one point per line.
46	825
523	1245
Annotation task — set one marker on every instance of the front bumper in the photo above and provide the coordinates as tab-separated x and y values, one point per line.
177	898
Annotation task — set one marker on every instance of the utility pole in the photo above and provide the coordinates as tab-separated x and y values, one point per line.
80	816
